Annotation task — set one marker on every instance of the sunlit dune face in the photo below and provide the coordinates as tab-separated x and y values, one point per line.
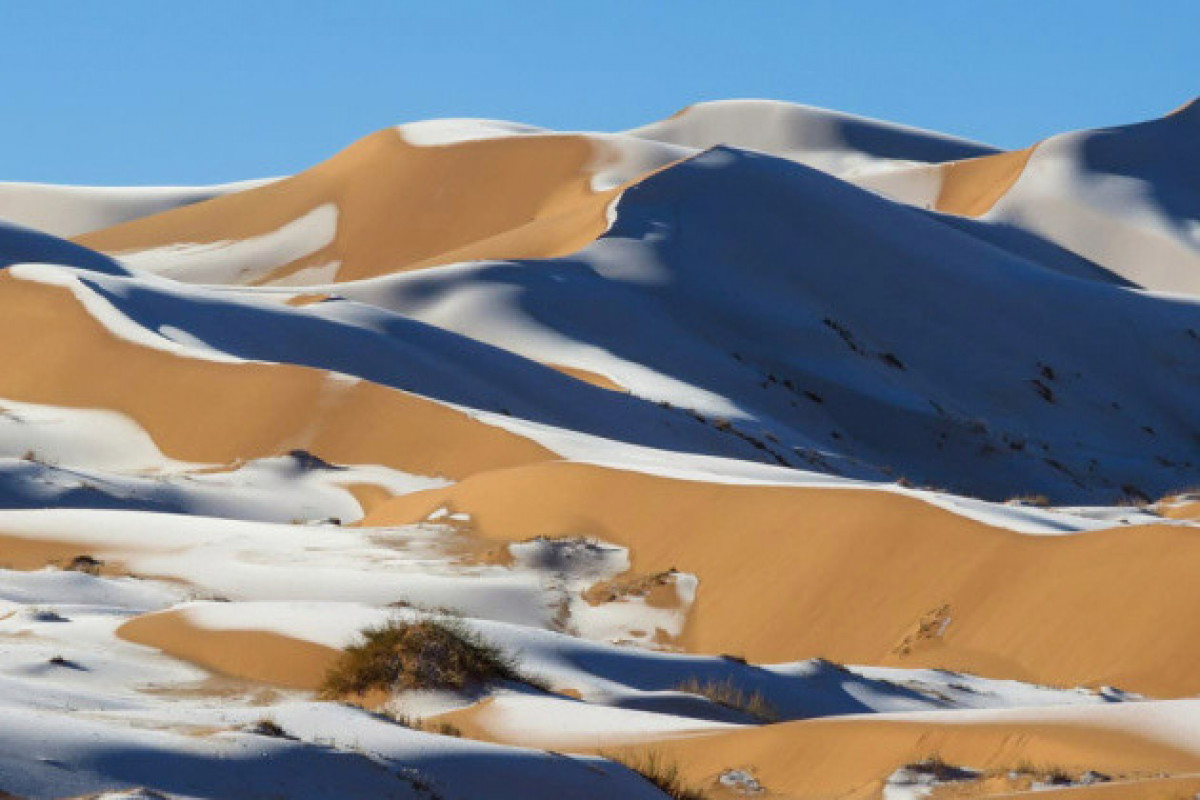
218	412
868	576
260	656
971	187
402	206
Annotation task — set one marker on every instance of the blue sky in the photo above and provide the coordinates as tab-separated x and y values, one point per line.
168	92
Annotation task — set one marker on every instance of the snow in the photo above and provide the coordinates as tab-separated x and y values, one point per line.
840	144
76	210
244	260
774	325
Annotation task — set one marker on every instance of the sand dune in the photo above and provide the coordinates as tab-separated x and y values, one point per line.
796	322
850	758
76	210
1122	197
813	565
739	433
511	197
253	655
214	412
841	144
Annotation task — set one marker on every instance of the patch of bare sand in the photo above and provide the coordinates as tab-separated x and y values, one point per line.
972	186
1185	510
402	206
254	655
869	577
19	553
55	353
369	496
587	376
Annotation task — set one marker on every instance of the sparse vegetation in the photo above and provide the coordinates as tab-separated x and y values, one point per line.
436	654
446	729
269	727
442	728
940	769
1035	500
726	693
84	563
1053	774
661	772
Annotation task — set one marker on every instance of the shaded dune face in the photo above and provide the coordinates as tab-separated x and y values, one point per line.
217	412
869	577
402	206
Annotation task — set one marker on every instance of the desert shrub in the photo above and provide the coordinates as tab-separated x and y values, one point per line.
1036	500
436	654
933	765
446	729
1054	774
85	563
726	693
661	772
268	727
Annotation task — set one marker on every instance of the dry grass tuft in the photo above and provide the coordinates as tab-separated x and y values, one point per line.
726	693
661	772
433	654
1034	500
269	727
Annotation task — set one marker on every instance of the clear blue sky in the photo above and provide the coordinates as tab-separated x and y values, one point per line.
172	92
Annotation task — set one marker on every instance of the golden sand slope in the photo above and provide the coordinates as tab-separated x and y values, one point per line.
402	206
852	758
55	353
811	758
18	552
870	577
972	186
1174	788
253	655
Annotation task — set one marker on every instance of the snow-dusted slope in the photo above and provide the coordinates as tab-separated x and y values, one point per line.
638	409
1128	198
74	210
1125	199
841	144
847	332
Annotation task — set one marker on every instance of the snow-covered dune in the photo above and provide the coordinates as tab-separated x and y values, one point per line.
75	210
848	333
736	437
841	144
1125	198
